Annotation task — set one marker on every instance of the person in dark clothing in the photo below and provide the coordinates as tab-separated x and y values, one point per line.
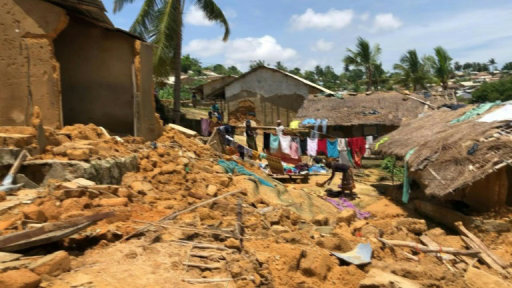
347	180
250	135
194	99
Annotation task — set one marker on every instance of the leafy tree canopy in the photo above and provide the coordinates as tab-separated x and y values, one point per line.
492	91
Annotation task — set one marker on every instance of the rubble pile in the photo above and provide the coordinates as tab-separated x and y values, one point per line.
169	222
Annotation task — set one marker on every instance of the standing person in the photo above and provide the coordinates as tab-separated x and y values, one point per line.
279	128
194	99
250	134
347	179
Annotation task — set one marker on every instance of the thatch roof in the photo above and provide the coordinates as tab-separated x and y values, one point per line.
442	150
386	108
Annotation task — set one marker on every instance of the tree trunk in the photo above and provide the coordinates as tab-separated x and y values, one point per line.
177	66
369	78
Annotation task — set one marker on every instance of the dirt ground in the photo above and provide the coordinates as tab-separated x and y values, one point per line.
289	230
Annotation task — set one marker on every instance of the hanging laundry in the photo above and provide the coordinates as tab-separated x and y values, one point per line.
303	146
332	149
294	124
294	150
322	147
274	143
312	146
309	121
380	142
369	141
266	141
324	125
285	142
297	141
205	127
342	147
358	147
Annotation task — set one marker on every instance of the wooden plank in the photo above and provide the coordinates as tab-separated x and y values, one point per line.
6	257
425	249
431	244
485	258
480	244
26	235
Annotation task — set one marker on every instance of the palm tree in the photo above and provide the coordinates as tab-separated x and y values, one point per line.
364	57
413	71
161	22
492	64
442	66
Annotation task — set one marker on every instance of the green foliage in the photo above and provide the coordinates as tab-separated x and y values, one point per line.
499	90
280	66
232	70
475	67
365	57
457	66
165	93
191	64
390	166
507	66
442	66
258	63
412	71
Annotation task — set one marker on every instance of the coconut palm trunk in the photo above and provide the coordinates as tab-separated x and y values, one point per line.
176	111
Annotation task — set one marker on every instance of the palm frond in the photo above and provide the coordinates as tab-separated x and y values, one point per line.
165	32
118	4
215	14
146	19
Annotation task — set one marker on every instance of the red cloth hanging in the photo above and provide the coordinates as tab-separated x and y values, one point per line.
322	147
358	147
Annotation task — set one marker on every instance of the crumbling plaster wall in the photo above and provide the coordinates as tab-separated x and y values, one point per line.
275	95
147	122
29	72
97	84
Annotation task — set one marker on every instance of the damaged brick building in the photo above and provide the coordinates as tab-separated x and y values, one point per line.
68	59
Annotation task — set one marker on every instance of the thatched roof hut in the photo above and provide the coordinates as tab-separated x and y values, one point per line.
443	164
385	109
388	108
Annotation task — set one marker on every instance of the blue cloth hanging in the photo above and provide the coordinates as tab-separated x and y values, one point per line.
407	182
332	148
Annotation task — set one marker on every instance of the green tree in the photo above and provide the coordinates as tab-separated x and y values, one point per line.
412	71
219	69
190	64
492	91
233	71
507	66
442	66
457	66
258	63
310	76
280	66
365	57
492	64
161	22
296	71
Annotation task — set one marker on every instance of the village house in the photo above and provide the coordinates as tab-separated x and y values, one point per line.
206	90
68	59
269	93
364	115
465	162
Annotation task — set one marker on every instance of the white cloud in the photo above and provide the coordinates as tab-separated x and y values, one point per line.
386	21
322	46
240	51
195	16
332	19
364	16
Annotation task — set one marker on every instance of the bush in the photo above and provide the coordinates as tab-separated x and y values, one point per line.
490	92
390	166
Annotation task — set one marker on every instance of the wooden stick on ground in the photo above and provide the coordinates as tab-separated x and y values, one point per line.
202	245
485	258
214	280
239	226
425	249
176	214
479	244
203	266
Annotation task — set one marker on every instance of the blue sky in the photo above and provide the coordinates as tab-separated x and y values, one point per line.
305	33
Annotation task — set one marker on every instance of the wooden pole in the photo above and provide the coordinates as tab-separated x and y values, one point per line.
425	249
